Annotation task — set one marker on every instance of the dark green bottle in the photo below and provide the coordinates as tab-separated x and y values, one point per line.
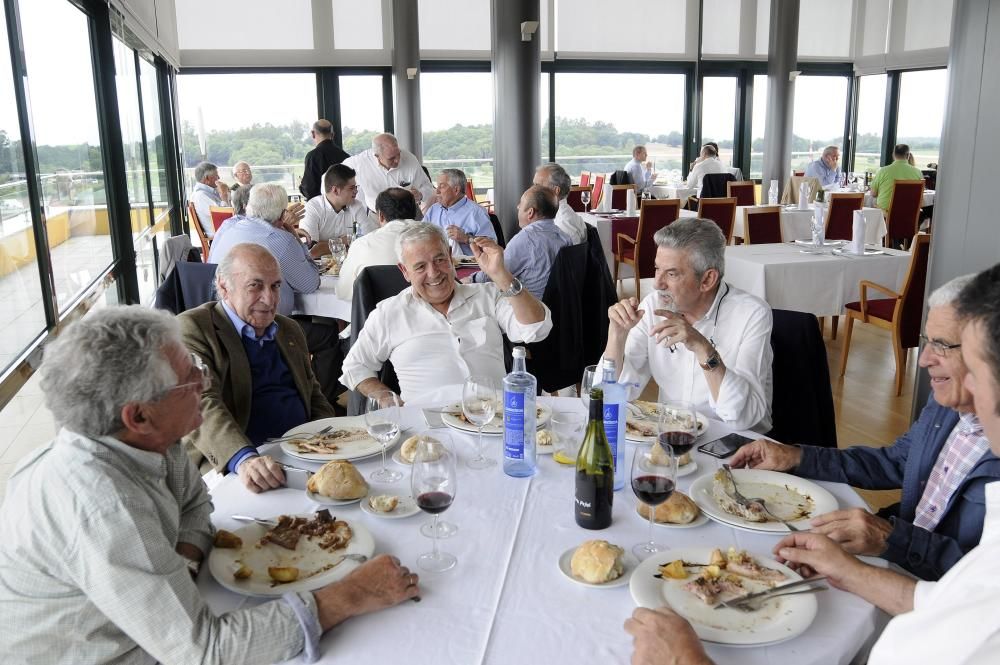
595	471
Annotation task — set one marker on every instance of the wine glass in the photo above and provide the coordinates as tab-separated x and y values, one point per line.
382	422
678	425
653	479
432	482
590	379
480	396
585	199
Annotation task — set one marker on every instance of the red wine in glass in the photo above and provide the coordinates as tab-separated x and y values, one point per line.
679	442
652	490
435	502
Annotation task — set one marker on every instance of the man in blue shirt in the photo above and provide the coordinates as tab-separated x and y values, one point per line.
826	167
456	214
640	170
530	254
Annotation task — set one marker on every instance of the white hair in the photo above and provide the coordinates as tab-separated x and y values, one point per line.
267	202
110	358
380	141
702	239
420	232
947	293
204	169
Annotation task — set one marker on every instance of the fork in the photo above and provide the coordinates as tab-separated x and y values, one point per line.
745	501
277	439
755	605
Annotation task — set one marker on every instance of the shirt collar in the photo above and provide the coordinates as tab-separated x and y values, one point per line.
969	424
458	204
379	166
149	463
720	293
246	330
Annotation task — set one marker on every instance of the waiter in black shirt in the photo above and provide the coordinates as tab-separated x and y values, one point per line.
319	159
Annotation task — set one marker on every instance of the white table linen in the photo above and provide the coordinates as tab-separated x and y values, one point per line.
674	192
821	284
603	225
796	224
506	601
323	301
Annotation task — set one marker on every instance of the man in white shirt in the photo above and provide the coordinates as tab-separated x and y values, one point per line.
208	191
702	340
336	213
243	175
955	620
640	170
387	165
438	332
554	178
396	208
708	164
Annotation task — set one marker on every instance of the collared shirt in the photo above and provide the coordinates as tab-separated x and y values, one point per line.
428	349
705	166
965	446
570	223
955	620
377	248
826	175
299	273
322	222
89	573
465	214
205	197
740	325
246	330
642	177
885	179
372	179
530	254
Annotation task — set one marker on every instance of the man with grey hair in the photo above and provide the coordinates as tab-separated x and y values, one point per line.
437	332
941	464
105	526
459	217
243	175
826	168
386	165
703	341
208	191
640	169
320	158
554	178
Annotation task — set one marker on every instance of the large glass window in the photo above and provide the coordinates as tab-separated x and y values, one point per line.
543	105
596	132
921	113
871	117
718	114
64	118
154	138
22	317
458	136
361	111
130	121
820	107
758	121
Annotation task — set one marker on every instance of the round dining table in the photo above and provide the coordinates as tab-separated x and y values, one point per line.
507	601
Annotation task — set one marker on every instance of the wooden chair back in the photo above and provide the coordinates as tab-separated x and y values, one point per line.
791	193
194	222
619	196
598	191
573	198
722	211
219	215
761	225
744	191
840	214
904	209
910	308
653	216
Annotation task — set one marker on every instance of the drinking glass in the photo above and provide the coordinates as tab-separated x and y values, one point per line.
382	422
567	427
653	479
585	199
677	426
590	379
432	482
480	397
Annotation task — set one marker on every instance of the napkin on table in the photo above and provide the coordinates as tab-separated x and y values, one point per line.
630	203
857	244
606	198
803	195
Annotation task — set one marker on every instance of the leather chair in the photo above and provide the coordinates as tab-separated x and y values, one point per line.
193	221
497	229
188	285
744	191
716	185
840	215
722	211
904	211
640	251
762	224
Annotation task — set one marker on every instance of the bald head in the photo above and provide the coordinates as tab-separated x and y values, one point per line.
385	147
248	279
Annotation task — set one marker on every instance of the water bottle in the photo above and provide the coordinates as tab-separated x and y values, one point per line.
519	390
615	397
772	193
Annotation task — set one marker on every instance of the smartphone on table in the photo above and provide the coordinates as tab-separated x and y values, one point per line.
725	446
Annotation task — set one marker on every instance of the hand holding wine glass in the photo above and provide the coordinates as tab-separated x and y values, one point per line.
382	423
433	484
480	398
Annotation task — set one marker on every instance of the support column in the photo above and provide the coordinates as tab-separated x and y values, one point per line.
516	76
406	55
782	53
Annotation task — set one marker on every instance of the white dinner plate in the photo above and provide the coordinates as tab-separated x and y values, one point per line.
687	469
353	450
406	507
327	501
779	619
628	561
638	438
826	243
767	485
493	427
869	251
306	556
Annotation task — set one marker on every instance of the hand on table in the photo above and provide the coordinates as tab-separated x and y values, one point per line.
855	529
457	234
261	473
375	585
767	455
662	637
811	554
675	329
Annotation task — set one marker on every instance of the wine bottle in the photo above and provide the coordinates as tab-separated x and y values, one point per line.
519	388
595	471
615	396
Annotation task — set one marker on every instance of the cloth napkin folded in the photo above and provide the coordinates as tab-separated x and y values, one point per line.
857	244
606	199
630	203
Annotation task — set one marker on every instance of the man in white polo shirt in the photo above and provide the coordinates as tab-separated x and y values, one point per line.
336	213
387	165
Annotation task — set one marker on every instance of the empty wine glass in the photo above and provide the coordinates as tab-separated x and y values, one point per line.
653	479
382	422
590	379
480	397
433	482
585	199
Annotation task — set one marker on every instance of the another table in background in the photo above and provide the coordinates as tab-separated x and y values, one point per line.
608	225
323	301
797	224
928	199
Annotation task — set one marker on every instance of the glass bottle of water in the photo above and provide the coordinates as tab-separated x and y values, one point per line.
615	397
519	390
772	193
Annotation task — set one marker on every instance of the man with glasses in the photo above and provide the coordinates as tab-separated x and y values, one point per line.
336	214
826	168
942	464
243	174
458	216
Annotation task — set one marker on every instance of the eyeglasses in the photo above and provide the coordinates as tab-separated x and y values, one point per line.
938	347
204	380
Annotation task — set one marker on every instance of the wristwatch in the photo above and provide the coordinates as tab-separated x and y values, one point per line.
512	290
712	362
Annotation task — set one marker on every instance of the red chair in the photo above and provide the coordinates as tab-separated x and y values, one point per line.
598	191
722	211
762	224
219	215
573	198
619	196
798	172
840	215
640	251
193	221
900	313
744	191
904	211
470	191
584	178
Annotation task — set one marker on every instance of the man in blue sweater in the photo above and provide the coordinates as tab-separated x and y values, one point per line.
942	464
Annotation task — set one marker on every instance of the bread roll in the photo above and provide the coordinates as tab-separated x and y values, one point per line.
660	456
408	451
597	561
338	480
678	509
383	503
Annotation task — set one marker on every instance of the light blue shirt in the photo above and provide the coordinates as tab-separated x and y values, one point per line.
465	214
641	176
826	175
530	254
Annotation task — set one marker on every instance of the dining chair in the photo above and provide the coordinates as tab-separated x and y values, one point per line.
640	251
598	191
904	212
194	222
584	178
900	313
762	225
573	198
799	173
790	196
744	191
619	196
470	191
722	211
219	215
716	185
497	229
840	214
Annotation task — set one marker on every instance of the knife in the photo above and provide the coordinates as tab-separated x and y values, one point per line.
767	592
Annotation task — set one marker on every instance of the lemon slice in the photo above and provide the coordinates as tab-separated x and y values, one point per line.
562	458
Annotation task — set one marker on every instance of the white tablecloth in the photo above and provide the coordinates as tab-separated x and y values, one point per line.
796	224
323	301
674	192
928	199
787	278
603	225
506	601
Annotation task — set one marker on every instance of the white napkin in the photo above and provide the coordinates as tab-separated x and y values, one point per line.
857	244
606	198
630	203
803	195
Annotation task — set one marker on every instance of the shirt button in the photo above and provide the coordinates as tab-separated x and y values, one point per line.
946	469
933	509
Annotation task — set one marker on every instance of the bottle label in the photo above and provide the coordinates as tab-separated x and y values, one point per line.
611	428
513	425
